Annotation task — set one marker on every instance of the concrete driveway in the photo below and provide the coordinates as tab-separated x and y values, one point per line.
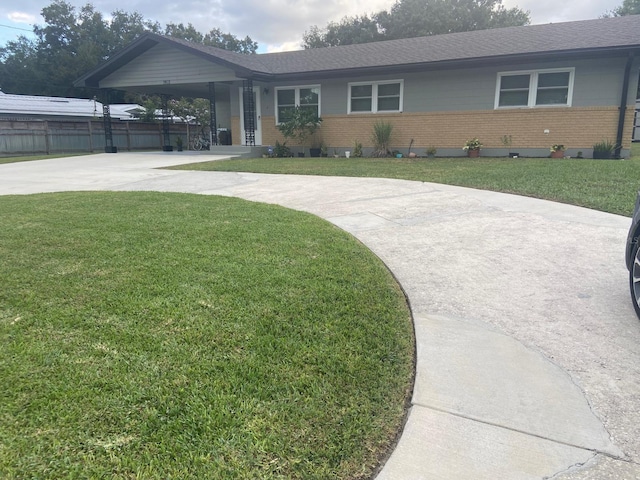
528	347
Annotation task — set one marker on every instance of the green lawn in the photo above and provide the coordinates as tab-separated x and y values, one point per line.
149	335
607	185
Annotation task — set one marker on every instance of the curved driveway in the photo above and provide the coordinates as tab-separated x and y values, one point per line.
528	347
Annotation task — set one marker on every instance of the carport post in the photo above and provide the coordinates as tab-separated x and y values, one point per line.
167	147
213	121
106	118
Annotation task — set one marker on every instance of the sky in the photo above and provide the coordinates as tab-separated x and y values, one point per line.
277	25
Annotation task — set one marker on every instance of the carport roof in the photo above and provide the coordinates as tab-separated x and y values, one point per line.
587	37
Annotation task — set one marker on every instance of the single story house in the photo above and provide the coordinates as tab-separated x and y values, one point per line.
517	89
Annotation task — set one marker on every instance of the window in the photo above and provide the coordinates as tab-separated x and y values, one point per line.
534	89
287	98
375	97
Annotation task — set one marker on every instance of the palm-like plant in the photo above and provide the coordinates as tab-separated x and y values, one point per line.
381	138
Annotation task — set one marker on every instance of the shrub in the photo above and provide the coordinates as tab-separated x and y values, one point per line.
302	123
357	149
281	150
381	138
603	149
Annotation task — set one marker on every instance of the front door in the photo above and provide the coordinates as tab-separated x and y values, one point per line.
257	117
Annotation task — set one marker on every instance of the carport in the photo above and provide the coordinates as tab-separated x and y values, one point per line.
169	67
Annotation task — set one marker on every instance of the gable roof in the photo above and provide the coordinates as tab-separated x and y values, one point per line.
587	37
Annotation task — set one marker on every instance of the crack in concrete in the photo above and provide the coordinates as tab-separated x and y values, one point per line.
575	466
511	429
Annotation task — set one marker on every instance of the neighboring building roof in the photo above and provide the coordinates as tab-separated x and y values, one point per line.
30	105
617	34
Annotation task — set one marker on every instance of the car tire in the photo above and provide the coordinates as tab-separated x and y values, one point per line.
634	279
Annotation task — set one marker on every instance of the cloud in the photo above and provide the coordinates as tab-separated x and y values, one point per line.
22	17
548	11
282	47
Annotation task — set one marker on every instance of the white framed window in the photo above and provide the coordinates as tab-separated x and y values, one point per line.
376	97
287	98
535	88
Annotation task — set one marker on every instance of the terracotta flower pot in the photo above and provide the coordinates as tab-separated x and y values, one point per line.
473	153
557	154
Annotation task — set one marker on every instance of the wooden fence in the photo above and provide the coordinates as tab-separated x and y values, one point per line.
24	137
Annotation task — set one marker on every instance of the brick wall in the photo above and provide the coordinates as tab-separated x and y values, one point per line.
577	128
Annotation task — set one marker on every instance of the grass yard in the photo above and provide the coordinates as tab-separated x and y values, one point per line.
607	185
149	335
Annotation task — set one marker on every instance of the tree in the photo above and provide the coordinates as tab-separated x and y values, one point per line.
348	31
226	41
628	7
416	18
18	64
72	42
149	106
215	38
188	33
301	123
191	110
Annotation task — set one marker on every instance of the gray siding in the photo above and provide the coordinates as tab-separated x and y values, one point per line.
456	90
334	97
597	83
600	83
162	65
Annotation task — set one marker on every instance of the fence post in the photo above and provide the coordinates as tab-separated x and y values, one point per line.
47	146
90	136
128	137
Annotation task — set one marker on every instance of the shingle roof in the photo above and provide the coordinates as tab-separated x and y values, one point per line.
587	36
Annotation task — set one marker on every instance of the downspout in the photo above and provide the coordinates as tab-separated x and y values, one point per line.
623	104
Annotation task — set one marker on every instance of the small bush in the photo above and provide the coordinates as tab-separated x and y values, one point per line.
281	150
603	149
357	149
381	138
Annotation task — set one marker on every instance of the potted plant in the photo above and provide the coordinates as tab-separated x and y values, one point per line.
557	150
316	148
472	147
603	149
302	123
323	150
431	151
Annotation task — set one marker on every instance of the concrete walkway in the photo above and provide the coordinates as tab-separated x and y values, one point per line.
528	347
